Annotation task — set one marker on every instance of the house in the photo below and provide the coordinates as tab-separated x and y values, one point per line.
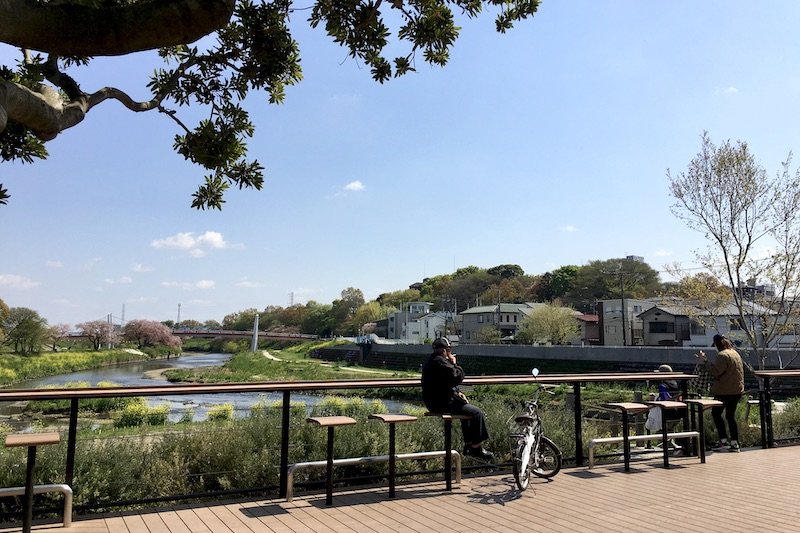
505	318
590	328
397	323
428	327
619	323
686	324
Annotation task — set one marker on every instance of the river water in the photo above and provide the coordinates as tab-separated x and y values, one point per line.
134	374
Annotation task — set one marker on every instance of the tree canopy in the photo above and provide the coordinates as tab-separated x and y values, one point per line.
742	210
252	49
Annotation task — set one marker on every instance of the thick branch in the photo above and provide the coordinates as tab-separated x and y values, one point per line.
42	112
76	30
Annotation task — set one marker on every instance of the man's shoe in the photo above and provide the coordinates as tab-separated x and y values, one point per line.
720	444
478	452
734	447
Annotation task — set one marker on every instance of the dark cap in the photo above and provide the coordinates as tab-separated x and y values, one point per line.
441	342
717	338
664	368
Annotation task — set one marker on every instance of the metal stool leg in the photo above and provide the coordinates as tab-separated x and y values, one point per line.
27	516
448	453
392	460
626	443
329	473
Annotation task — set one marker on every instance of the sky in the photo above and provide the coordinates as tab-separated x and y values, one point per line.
543	147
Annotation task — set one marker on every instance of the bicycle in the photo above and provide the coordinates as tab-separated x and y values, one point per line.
531	450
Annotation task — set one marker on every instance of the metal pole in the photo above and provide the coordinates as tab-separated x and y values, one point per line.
576	388
285	444
73	434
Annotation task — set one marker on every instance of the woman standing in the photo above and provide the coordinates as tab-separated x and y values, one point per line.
728	387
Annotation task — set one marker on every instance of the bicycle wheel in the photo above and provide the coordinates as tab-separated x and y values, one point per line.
547	462
521	465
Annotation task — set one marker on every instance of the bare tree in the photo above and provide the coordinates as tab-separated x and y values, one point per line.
752	223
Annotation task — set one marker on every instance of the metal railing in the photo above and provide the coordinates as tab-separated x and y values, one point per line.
287	388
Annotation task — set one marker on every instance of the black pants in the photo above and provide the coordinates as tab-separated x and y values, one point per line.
729	404
474	429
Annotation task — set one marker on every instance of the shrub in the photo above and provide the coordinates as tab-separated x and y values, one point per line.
220	412
137	413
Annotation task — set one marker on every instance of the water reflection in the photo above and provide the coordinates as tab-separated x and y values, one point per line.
145	373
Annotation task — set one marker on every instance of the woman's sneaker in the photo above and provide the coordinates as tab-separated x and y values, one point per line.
734	447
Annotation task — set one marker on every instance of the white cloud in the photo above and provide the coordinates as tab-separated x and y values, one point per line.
124	280
247	284
196	246
569	228
730	90
90	264
662	253
140	268
142	300
55	264
354	186
13	281
203	284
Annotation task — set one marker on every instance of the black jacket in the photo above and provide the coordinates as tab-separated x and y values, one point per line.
439	379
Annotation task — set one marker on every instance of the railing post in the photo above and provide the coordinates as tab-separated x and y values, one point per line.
285	442
71	441
576	388
765	411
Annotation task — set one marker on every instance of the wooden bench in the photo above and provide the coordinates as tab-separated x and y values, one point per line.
390	419
31	441
447	419
638	438
330	422
628	408
697	407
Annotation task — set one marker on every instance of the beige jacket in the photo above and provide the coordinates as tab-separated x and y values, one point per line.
728	372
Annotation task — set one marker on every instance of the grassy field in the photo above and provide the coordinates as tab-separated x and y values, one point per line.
15	368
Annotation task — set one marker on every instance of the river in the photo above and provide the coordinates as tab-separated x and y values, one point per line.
141	373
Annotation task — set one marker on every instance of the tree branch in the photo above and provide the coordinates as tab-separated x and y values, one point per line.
81	30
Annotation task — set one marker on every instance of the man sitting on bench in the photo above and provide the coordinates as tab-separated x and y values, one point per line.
441	377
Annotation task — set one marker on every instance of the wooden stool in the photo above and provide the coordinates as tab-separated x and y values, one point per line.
392	419
698	407
666	405
330	422
31	440
626	408
448	444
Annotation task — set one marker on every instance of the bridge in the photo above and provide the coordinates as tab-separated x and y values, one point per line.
268	335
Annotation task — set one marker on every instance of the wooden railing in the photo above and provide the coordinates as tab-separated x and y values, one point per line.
287	388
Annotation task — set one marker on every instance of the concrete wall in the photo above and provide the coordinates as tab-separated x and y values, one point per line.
513	359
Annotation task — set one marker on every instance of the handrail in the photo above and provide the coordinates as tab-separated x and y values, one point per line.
287	387
765	401
177	389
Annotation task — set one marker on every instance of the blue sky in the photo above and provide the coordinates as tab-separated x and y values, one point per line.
546	146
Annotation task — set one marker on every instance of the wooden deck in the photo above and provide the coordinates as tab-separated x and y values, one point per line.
756	490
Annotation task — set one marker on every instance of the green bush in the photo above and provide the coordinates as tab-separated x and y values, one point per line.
787	423
220	412
137	413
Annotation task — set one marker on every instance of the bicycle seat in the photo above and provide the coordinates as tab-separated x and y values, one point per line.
524	419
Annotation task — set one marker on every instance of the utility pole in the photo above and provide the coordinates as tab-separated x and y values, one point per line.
177	324
624	321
